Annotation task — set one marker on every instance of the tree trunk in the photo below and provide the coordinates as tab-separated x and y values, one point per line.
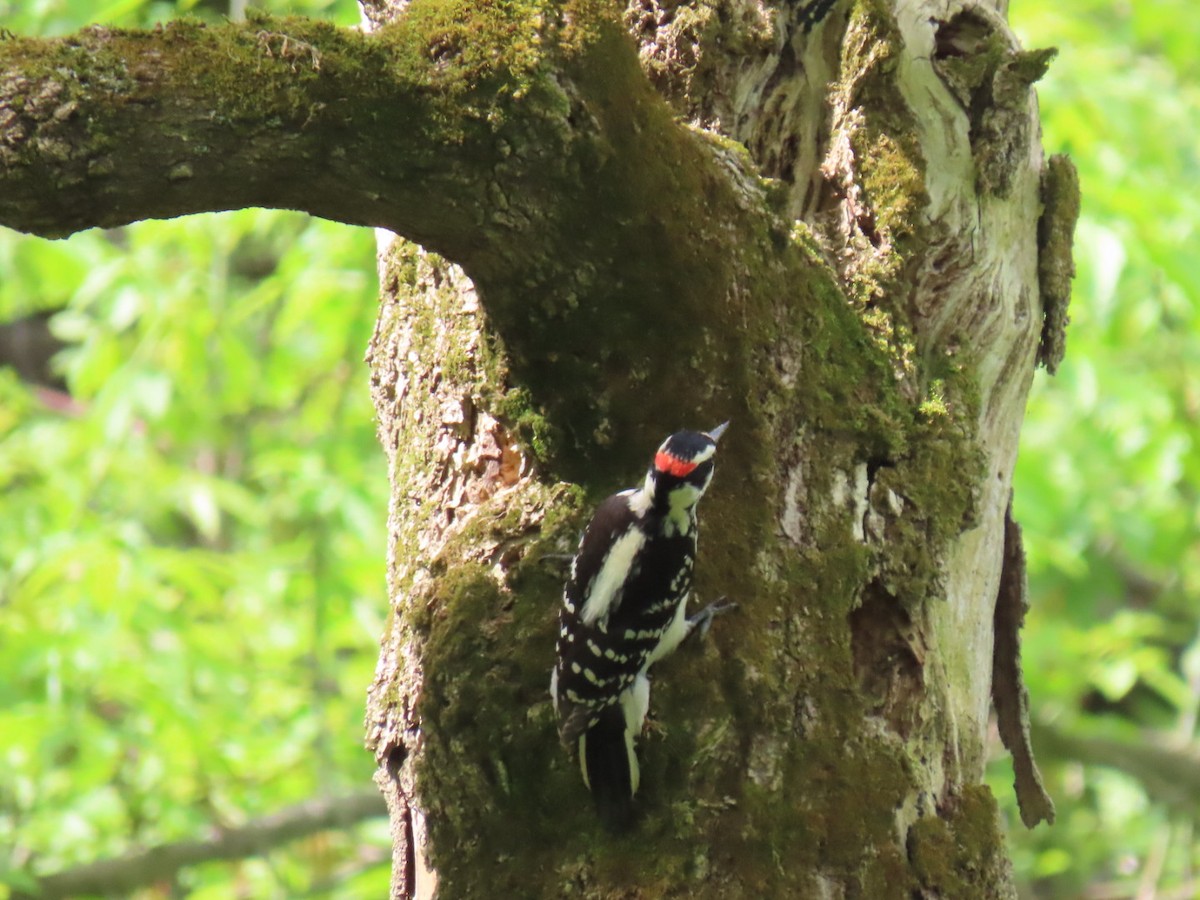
829	222
870	319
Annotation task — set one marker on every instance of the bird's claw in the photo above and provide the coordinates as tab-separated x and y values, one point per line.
700	622
555	560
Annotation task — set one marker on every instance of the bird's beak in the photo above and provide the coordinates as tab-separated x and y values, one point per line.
716	433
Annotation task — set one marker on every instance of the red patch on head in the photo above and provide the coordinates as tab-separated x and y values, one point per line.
672	465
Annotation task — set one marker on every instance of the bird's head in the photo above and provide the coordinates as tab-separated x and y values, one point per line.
683	468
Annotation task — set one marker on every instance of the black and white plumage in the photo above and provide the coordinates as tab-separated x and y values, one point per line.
625	607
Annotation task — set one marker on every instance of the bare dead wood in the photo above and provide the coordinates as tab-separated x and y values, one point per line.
1009	694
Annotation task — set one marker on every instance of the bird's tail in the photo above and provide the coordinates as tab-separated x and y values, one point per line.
610	768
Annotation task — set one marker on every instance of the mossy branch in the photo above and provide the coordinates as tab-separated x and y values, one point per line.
519	140
400	129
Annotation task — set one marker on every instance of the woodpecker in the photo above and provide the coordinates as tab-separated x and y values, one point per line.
624	608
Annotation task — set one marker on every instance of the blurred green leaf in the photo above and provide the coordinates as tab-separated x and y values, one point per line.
159	553
1108	481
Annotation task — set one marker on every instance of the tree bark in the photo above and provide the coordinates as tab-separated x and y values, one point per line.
830	741
818	220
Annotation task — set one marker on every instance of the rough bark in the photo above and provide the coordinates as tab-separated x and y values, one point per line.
832	741
1009	694
868	315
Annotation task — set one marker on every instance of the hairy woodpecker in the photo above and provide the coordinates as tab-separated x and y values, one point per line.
625	607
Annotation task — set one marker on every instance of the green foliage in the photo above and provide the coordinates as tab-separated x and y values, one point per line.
1107	483
191	556
191	578
55	17
191	587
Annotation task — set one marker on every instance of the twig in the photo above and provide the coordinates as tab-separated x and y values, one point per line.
124	874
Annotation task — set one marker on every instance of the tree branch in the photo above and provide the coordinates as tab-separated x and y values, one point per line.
109	126
1167	768
127	873
521	141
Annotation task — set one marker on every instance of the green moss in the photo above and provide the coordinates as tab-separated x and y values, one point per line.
517	408
464	48
935	509
979	51
727	146
1028	67
490	766
935	857
892	173
448	69
990	77
934	404
960	853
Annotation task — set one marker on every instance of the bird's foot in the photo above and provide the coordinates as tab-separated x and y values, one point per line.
700	622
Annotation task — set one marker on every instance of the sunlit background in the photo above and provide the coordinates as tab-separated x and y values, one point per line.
193	527
1108	483
192	537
